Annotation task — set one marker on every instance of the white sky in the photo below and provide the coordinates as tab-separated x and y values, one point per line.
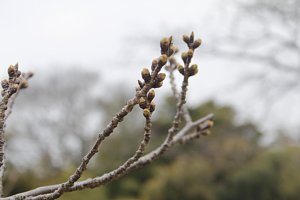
96	35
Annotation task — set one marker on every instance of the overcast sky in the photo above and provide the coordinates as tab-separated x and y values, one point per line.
107	36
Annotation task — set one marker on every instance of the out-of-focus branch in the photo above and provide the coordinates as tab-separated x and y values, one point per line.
23	84
11	88
171	68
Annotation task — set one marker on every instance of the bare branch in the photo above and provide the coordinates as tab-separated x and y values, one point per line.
144	98
105	178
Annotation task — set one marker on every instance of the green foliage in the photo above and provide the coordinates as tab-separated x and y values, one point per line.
271	175
184	179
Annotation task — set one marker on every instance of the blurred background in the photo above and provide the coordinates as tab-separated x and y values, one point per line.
87	57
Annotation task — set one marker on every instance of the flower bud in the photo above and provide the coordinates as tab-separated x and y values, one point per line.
206	133
141	84
193	70
172	50
151	95
172	60
146	75
161	77
186	39
197	43
146	113
142	103
129	108
152	107
210	123
190	53
192	37
162	60
5	84
180	69
23	84
184	56
164	44
154	64
13	88
157	84
11	70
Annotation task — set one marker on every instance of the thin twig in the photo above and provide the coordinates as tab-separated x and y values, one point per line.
186	115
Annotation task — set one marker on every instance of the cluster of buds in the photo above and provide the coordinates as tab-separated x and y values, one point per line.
187	56
157	81
147	103
191	43
166	47
154	79
192	70
14	81
204	128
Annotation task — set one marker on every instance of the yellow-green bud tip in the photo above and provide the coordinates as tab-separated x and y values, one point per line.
186	39
161	77
193	70
164	43
210	123
146	113
184	56
142	103
23	84
152	107
180	69
146	75
190	53
197	43
206	133
162	60
11	70
151	95
157	84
